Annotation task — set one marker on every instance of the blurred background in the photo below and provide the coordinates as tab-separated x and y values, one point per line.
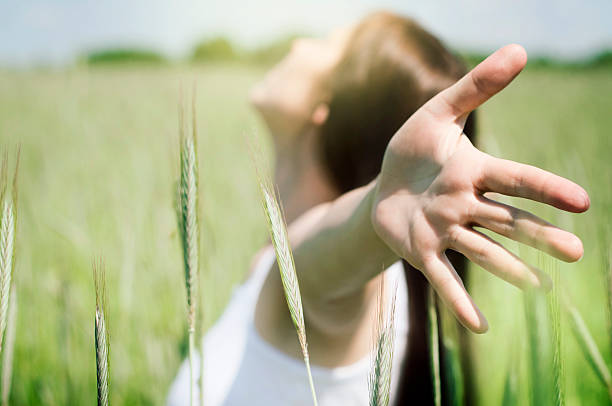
90	92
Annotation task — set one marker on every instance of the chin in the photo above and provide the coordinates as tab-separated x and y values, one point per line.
262	98
263	93
257	95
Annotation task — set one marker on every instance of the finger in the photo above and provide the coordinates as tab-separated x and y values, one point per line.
493	257
444	279
481	83
515	179
528	229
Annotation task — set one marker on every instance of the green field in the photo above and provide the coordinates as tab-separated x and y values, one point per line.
99	165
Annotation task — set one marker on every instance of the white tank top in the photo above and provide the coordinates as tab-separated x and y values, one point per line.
241	368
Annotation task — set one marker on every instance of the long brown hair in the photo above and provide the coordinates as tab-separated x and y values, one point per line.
390	68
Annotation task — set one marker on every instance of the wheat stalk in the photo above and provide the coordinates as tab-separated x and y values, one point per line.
188	229
202	322
277	228
434	346
202	326
202	359
608	284
382	364
101	334
9	349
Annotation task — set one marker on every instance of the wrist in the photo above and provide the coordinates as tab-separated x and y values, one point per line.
387	254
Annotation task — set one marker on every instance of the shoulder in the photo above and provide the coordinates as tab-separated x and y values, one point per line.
296	231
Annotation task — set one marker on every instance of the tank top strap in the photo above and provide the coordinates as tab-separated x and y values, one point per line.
261	269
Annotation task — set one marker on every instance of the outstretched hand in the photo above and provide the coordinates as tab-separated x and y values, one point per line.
430	194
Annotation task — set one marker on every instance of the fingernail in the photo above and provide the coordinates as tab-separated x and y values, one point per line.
586	200
483	326
539	280
579	248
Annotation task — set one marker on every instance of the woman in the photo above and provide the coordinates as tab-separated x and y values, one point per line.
335	107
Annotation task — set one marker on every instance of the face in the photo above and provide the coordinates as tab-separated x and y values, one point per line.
293	90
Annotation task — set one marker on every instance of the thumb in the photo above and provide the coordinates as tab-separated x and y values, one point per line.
481	83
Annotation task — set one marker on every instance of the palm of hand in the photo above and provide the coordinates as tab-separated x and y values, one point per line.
430	194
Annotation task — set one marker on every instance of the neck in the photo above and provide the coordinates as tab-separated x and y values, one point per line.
301	180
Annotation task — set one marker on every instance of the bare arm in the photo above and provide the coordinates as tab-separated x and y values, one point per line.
347	251
336	252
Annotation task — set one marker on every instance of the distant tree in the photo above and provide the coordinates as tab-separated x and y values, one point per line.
272	52
110	56
215	49
602	59
546	62
471	58
222	49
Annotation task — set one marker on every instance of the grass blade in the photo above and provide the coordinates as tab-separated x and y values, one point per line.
277	228
538	378
384	339
555	326
452	367
434	346
511	386
587	345
101	335
453	346
188	230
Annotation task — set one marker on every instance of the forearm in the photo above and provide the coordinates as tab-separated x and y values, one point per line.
339	251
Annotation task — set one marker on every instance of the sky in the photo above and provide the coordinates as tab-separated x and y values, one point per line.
55	32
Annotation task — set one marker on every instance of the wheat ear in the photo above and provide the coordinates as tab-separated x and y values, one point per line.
101	334
7	239
9	349
188	229
384	339
277	228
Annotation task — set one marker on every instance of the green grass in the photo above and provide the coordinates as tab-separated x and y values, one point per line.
99	164
559	121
